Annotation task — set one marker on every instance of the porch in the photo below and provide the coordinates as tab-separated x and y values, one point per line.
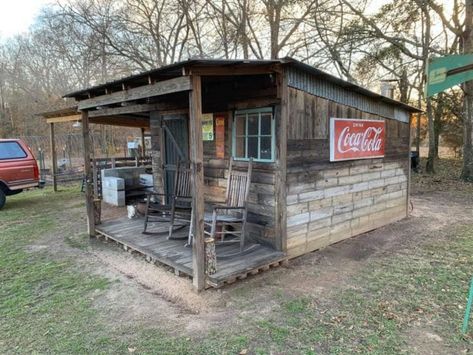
206	113
175	254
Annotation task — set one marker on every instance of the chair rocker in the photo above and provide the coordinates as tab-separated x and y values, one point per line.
233	213
176	208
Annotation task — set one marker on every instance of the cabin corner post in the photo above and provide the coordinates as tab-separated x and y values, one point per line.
196	158
409	167
53	155
143	147
281	170
89	198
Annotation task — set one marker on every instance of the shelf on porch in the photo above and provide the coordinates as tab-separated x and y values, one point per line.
174	253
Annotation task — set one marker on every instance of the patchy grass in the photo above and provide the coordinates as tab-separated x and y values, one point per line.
424	288
44	302
79	241
47	301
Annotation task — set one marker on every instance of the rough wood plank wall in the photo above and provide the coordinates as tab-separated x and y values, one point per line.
261	200
328	202
318	86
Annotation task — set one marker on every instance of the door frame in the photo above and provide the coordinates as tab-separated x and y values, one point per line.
167	134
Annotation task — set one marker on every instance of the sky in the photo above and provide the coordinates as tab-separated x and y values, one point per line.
17	15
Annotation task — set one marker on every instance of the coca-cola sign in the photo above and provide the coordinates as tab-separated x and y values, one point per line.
356	139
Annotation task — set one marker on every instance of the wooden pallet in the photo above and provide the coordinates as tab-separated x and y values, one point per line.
211	282
178	269
177	258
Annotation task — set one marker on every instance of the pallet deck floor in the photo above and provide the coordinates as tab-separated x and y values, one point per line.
175	254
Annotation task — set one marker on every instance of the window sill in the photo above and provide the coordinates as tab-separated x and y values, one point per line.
254	160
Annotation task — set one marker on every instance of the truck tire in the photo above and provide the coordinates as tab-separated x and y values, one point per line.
3	199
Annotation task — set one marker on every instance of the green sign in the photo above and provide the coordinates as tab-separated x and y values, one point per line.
208	127
445	72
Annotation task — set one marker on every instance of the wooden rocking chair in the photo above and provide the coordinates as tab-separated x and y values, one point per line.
173	208
234	213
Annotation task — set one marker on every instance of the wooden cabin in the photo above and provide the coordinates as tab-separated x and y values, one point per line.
307	189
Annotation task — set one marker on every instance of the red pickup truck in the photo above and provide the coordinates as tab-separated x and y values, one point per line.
18	168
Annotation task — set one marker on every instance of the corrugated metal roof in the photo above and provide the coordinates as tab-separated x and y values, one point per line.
346	84
176	70
172	69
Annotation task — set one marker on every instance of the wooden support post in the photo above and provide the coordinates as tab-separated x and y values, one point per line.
89	196
408	197
196	158
143	148
282	114
53	156
95	177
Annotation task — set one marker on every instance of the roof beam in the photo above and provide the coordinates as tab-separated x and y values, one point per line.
126	110
164	87
68	118
121	121
229	70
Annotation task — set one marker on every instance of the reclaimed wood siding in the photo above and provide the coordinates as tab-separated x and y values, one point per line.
328	90
261	200
328	202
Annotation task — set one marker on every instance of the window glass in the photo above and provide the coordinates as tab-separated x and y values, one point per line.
253	124
11	150
265	148
252	147
266	124
253	135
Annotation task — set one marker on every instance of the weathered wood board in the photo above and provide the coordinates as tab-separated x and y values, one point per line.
326	201
175	254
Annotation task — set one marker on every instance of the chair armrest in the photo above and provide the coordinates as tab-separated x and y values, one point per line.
151	193
159	195
229	208
182	198
217	203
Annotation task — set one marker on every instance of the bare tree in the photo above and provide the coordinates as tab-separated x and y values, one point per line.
467	38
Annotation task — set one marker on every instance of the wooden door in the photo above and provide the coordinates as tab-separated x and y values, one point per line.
176	145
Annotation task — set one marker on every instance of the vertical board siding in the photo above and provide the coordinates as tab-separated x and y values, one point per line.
261	200
310	83
331	201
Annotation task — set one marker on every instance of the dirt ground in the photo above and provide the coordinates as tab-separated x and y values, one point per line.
147	294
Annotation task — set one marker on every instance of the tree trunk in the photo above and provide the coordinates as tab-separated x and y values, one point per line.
418	121
244	34
419	116
429	167
436	140
404	87
425	53
274	15
467	172
438	112
225	32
